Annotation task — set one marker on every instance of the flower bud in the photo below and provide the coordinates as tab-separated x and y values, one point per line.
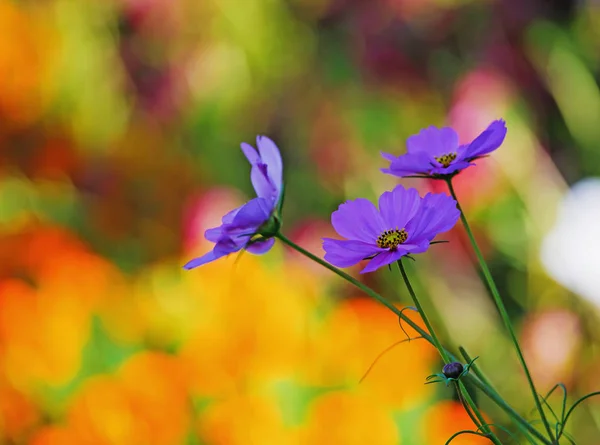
453	370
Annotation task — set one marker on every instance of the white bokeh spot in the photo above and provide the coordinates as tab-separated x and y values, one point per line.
571	250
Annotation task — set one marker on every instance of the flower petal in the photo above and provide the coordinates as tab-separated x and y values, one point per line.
214	234
438	213
358	219
399	206
388	156
261	182
489	140
418	163
345	253
230	244
270	156
383	259
204	259
229	216
260	247
456	165
410	248
250	216
251	153
433	141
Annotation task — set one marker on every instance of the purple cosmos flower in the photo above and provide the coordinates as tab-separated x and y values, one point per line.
436	152
252	225
405	223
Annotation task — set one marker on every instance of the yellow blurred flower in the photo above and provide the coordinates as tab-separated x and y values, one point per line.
45	325
145	402
53	435
349	418
245	419
357	331
444	419
250	321
18	413
26	50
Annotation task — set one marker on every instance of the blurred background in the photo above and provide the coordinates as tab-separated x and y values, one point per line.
120	125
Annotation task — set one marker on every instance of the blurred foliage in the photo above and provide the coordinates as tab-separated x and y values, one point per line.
120	123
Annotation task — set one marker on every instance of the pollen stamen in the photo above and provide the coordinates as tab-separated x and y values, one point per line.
446	160
391	239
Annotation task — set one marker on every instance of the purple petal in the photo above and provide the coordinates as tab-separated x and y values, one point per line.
251	215
438	213
228	244
260	247
261	182
251	153
388	156
344	253
214	234
457	165
358	219
383	259
204	259
415	248
398	206
433	141
411	164
270	156
489	140
228	217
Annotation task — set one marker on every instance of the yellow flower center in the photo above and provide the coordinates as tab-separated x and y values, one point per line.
445	160
391	239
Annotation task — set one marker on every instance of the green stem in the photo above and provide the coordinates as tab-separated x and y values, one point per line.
503	313
477	421
413	295
493	395
482	423
466	398
481	376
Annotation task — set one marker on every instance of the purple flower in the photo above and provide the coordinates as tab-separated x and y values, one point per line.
252	225
405	223
436	152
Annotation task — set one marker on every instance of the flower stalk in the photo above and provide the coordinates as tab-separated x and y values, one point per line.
502	309
487	390
460	387
413	296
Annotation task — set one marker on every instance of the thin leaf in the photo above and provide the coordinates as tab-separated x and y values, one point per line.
596	393
433	381
385	351
455	435
569	438
400	318
544	401
506	430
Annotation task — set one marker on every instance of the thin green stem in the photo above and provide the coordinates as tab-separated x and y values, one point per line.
476	421
480	422
487	382
503	313
413	295
466	398
492	394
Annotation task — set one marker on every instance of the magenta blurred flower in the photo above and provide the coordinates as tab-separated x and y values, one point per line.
435	152
405	223
253	225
